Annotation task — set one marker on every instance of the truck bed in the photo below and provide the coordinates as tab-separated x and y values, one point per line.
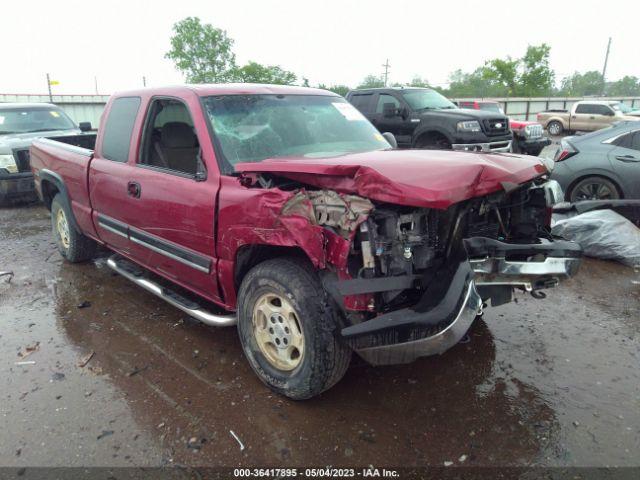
66	158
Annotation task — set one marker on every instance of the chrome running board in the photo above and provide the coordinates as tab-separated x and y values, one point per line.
134	273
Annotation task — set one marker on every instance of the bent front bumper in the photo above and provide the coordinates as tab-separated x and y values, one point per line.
435	344
454	297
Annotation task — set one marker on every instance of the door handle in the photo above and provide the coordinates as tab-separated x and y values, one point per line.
133	189
627	158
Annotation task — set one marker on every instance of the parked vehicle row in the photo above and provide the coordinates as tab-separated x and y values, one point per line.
284	210
586	116
528	137
423	118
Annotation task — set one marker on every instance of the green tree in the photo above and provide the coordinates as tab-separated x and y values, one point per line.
418	81
371	81
254	72
582	84
339	89
201	52
528	76
537	77
626	86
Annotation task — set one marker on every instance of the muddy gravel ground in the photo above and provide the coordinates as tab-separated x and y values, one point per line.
115	377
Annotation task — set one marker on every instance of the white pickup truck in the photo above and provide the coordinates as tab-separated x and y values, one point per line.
586	115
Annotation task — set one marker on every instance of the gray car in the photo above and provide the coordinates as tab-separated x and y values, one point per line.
602	165
20	124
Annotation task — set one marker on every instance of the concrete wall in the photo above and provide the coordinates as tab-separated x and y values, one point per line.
81	108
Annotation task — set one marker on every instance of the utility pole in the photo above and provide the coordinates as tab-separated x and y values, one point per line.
144	81
49	88
386	72
604	69
95	82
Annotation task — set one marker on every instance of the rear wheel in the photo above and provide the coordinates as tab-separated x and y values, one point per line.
72	245
594	188
555	128
288	329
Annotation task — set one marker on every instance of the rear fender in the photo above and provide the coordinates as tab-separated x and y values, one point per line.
50	184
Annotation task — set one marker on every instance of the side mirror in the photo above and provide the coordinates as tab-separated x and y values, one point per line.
388	136
389	110
85	126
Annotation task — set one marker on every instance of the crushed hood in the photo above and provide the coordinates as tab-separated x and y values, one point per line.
421	178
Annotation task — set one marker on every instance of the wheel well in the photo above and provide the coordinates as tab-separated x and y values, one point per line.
425	138
49	190
249	256
579	179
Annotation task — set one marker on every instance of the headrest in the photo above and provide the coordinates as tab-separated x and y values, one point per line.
177	135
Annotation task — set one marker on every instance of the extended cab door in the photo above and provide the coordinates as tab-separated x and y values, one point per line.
394	119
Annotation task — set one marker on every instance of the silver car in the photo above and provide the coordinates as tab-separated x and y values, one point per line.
601	165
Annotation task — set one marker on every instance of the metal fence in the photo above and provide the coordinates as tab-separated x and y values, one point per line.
88	108
81	108
527	108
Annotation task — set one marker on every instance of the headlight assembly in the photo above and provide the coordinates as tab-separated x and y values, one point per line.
469	126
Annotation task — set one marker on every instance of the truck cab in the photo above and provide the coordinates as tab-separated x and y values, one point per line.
423	118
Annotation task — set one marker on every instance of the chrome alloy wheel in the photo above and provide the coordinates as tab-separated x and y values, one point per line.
278	332
63	228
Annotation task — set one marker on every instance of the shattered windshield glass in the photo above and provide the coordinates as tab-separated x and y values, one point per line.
251	128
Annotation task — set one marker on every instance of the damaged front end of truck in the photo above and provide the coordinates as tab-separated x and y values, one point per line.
409	278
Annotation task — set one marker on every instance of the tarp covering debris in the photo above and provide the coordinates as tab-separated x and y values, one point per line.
603	234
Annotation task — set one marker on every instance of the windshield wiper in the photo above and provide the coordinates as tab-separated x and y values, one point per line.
47	130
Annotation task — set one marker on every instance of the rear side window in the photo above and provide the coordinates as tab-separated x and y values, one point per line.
119	127
586	108
602	110
362	101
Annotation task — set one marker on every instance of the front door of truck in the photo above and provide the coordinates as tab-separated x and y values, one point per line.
394	119
583	117
172	197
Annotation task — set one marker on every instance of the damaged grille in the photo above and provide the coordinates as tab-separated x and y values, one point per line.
23	160
496	126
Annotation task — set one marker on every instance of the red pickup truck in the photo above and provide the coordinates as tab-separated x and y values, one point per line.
282	209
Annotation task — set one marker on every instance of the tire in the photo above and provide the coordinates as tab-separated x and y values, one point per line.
72	245
555	128
288	293
594	188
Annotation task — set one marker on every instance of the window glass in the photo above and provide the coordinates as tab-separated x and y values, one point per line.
491	107
33	119
585	108
386	98
635	141
425	99
362	101
602	110
170	141
118	129
251	128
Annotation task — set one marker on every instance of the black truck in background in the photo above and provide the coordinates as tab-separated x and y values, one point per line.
423	118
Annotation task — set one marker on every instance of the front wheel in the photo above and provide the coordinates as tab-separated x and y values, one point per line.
288	329
555	128
72	245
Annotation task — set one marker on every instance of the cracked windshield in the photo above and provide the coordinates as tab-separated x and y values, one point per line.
251	128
